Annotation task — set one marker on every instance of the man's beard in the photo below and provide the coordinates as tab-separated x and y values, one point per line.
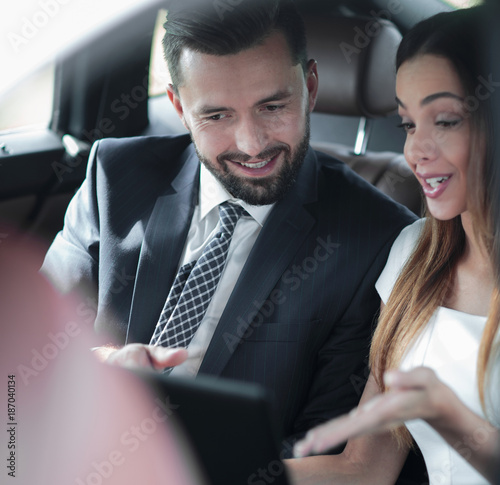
264	190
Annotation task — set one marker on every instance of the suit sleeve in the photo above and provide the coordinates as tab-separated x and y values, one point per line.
71	262
341	368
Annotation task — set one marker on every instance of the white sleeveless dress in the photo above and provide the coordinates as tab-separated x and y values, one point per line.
449	345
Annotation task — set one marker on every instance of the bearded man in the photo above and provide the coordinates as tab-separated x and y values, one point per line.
236	241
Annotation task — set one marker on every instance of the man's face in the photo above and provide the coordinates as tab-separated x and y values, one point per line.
248	115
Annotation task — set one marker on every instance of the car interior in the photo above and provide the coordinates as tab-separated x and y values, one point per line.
105	89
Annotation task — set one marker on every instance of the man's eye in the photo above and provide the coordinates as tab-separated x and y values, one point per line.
216	117
274	107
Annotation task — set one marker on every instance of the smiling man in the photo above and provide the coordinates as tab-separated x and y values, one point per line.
237	241
248	115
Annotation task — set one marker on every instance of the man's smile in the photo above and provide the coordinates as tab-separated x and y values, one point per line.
258	168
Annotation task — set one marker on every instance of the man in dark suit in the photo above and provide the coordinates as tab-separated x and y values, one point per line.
295	305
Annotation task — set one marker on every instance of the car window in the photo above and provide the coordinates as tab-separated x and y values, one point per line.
158	72
29	103
463	3
37	32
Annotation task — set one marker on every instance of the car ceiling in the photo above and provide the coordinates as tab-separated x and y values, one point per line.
404	13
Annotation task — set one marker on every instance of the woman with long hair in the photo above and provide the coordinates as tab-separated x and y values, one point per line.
440	292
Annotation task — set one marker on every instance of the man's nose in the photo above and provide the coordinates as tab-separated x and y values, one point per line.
250	136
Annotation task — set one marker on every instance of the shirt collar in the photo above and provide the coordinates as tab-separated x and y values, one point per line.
212	194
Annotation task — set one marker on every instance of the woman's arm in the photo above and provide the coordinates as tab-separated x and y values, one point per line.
421	394
366	460
415	394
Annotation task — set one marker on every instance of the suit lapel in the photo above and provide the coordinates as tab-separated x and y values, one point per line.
162	246
285	230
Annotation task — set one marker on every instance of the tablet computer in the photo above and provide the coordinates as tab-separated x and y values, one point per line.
229	424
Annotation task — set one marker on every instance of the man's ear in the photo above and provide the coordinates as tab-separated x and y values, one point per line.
312	82
176	102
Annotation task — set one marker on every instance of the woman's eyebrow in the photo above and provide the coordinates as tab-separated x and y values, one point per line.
433	97
443	94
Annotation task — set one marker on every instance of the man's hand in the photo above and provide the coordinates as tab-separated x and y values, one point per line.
140	355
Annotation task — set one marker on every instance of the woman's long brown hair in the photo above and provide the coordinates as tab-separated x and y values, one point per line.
426	279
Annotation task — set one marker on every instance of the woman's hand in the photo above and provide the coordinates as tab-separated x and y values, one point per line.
417	394
414	394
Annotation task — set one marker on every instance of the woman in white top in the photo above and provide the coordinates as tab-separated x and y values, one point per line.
440	293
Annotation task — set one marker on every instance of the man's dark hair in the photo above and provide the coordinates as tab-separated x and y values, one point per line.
222	28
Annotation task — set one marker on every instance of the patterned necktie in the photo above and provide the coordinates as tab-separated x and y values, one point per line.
195	285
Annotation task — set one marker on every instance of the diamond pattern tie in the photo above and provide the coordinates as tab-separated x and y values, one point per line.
195	285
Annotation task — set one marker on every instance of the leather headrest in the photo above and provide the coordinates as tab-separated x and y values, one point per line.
356	64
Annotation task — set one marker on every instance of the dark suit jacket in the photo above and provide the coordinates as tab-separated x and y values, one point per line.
301	315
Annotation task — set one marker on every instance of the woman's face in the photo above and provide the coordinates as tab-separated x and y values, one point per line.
430	96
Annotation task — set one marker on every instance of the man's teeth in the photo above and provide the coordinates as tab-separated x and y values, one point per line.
256	165
434	182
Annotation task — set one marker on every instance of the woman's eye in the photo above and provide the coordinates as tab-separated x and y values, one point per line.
407	126
448	123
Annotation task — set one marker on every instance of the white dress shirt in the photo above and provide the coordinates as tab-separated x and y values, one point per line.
204	224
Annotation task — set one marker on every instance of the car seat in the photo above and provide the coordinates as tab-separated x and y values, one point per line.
356	70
